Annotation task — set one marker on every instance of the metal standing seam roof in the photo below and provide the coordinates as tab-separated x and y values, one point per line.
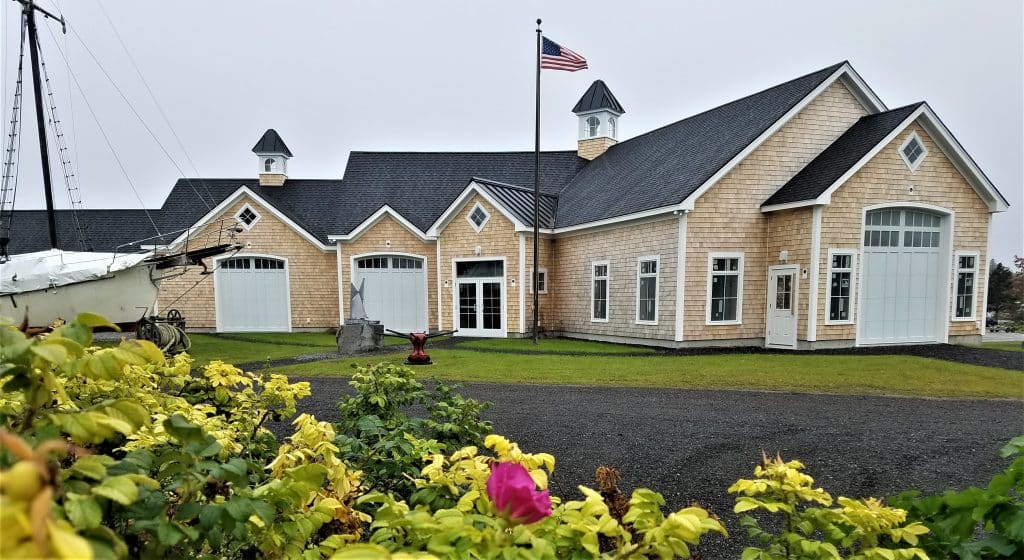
835	160
271	143
596	98
518	201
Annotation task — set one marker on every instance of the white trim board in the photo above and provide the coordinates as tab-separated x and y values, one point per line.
372	220
815	264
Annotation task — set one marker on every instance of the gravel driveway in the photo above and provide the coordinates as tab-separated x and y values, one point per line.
691	445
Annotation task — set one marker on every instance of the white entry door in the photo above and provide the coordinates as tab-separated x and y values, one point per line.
394	289
480	298
251	294
781	325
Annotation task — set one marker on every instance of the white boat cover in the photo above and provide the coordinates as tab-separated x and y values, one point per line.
36	271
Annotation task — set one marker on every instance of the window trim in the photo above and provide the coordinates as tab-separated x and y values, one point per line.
657	288
595	127
255	221
469	217
544	271
739	288
607	290
974	293
924	152
853	284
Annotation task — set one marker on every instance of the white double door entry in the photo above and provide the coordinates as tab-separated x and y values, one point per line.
480	298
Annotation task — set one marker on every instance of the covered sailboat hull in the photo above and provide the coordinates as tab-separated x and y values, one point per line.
51	285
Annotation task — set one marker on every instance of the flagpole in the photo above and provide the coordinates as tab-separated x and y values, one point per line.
536	195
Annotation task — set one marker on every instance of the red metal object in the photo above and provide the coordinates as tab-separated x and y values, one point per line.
419	357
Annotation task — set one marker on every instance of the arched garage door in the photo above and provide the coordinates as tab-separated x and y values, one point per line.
394	290
903	281
252	294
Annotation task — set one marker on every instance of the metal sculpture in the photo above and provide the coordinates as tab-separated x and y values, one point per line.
356	309
419	357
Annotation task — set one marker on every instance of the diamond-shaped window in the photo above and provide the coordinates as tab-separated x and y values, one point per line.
478	217
247	216
913	151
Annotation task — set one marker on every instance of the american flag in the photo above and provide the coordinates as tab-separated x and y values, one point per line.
556	57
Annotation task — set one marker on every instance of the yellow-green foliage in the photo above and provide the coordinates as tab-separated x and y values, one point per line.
857	529
453	517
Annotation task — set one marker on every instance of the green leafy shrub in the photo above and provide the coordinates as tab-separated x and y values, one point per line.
975	523
856	529
379	437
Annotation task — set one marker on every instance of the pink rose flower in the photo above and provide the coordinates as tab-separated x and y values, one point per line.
515	495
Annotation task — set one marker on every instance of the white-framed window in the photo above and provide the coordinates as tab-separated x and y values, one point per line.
611	127
647	290
965	286
593	125
478	217
247	216
841	279
599	274
269	165
542	280
725	289
913	151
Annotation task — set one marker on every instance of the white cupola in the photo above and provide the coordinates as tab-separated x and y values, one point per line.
598	112
272	155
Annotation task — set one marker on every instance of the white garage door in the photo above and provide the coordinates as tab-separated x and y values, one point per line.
903	280
252	294
394	291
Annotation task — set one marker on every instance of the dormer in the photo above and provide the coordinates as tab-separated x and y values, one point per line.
272	155
598	112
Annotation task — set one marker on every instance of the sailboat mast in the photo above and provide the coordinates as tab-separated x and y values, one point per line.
44	154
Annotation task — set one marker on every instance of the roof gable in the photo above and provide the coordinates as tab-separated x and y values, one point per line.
598	97
850	152
835	160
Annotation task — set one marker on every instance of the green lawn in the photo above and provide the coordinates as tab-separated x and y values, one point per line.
483	361
258	347
1011	345
869	375
555	345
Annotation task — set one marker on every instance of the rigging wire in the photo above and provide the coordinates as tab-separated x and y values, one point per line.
136	113
12	155
71	99
106	138
70	180
159	108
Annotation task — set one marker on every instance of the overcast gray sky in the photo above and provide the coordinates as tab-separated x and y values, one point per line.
332	77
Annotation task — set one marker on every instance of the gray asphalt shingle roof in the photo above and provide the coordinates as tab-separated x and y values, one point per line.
818	175
422	185
653	170
664	166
